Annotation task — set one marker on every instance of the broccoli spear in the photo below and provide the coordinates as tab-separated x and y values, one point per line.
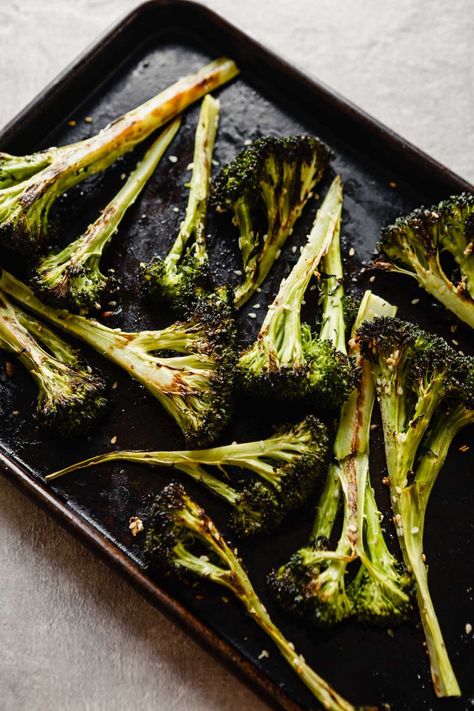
286	361
184	273
25	205
179	530
284	468
71	396
273	176
72	276
415	245
312	584
416	374
194	386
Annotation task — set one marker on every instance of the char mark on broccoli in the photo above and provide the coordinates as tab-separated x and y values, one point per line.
25	205
72	278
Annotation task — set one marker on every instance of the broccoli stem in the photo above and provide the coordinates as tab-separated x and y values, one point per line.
333	327
88	248
412	505
328	505
235	579
436	283
194	223
15	169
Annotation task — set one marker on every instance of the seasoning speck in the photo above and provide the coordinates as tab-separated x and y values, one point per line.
415	529
464	448
372	279
115	385
415	301
72	123
87	119
9	369
392	184
352	252
263	654
175	209
247	142
113	440
135	525
173	159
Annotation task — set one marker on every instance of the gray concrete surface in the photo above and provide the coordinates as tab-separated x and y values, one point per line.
74	637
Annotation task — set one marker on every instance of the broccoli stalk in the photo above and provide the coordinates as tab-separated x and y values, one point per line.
414	245
275	176
72	276
194	386
71	396
25	206
312	583
416	374
179	530
184	272
286	361
284	468
412	506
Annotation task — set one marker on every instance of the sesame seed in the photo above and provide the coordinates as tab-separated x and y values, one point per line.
115	385
123	176
252	315
175	209
415	301
237	272
256	306
294	248
72	123
87	119
113	440
392	184
468	628
372	279
173	159
456	343
352	252
464	448
247	142
415	529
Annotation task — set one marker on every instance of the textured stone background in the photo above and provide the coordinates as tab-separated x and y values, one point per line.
75	637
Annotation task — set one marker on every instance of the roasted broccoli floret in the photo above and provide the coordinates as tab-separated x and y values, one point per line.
284	468
417	245
286	360
25	205
194	386
184	273
71	396
312	584
417	375
266	188
72	276
182	538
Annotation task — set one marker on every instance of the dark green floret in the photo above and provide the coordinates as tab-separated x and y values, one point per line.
418	244
30	185
266	188
72	277
183	275
181	538
194	384
272	477
71	396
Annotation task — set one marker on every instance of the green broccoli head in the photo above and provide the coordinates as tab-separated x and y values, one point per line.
416	245
69	283
178	288
312	586
70	399
268	184
383	605
257	509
